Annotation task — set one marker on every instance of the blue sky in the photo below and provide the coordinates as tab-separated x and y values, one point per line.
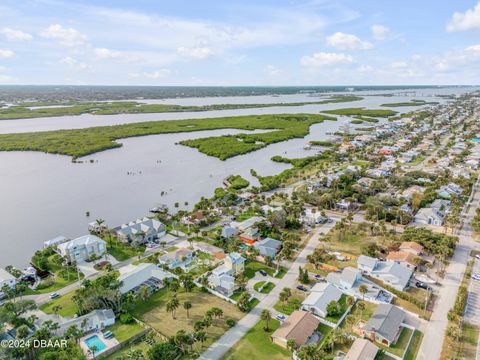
247	42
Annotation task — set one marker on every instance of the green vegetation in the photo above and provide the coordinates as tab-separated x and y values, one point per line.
124	332
81	142
63	306
400	346
361	112
341	308
286	127
257	344
367	119
412	351
24	111
322	143
120	250
237	182
410	103
252	267
266	287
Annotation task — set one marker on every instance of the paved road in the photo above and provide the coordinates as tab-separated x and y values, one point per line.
431	346
472	309
230	338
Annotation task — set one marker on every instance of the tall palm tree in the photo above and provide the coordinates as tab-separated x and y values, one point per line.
361	307
363	290
266	316
172	305
187	305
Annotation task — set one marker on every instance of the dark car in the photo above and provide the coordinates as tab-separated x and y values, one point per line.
263	272
302	288
422	285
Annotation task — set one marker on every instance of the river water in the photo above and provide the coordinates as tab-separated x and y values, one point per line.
44	195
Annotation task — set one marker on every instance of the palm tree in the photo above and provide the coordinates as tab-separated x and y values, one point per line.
349	301
361	307
172	305
363	290
285	295
187	305
201	336
144	292
291	345
266	316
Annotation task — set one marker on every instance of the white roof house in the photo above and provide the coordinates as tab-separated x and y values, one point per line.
134	276
55	241
6	278
141	230
80	249
320	296
429	216
388	271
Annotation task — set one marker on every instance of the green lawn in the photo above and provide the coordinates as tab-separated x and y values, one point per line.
124	332
400	346
266	289
59	283
68	307
290	306
141	345
257	344
122	251
412	351
324	330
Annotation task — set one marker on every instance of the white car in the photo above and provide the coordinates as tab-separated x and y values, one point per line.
280	317
476	276
477	256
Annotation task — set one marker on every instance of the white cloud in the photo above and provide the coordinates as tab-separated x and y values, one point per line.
342	41
398	65
125	56
74	63
200	52
64	36
5	53
157	74
380	32
468	20
322	59
273	70
15	35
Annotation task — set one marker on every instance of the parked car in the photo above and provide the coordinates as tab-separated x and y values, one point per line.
477	256
263	272
280	317
422	285
319	277
54	295
476	276
302	288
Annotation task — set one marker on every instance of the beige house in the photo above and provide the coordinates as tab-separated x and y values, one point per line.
362	349
301	326
411	247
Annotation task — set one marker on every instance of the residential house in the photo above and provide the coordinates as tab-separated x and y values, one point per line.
268	247
178	258
244	225
411	247
141	230
7	279
222	278
55	241
450	190
403	258
250	236
133	277
429	216
390	272
82	248
362	349
301	326
345	205
228	232
385	325
95	320
320	296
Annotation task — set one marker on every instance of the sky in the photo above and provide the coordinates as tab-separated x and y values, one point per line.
248	42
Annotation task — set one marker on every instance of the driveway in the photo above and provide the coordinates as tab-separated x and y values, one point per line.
230	338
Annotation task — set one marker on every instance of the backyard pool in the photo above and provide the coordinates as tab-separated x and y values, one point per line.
95	342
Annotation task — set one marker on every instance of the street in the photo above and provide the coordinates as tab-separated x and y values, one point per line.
230	338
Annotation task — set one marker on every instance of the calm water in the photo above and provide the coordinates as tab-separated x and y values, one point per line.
47	195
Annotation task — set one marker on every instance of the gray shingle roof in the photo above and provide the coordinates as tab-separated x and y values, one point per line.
386	321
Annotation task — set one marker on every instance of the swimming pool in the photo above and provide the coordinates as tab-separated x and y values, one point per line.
94	341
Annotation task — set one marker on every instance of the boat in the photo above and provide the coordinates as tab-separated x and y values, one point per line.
159	209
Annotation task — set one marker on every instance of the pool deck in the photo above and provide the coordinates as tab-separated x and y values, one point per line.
109	343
